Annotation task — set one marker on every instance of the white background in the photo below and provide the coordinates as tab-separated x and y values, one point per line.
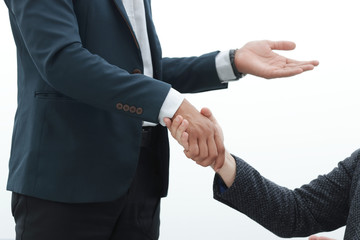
290	129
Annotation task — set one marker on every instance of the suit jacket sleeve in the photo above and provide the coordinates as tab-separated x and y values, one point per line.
321	205
192	74
50	35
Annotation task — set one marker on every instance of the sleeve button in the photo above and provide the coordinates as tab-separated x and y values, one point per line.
119	106
126	107
132	109
139	111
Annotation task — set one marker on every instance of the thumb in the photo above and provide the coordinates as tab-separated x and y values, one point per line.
207	113
282	45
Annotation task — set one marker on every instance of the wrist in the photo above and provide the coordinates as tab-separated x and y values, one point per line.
238	74
228	170
170	105
181	110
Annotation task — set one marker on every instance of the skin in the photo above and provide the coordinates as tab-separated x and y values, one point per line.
205	145
319	238
256	58
259	59
178	129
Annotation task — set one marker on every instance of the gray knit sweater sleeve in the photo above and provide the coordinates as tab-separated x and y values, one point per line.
321	205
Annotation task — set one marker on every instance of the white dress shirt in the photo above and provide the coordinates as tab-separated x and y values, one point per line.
135	10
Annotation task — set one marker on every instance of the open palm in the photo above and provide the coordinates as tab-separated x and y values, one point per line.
259	59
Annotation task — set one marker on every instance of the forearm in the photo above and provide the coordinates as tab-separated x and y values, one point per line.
192	74
321	205
228	171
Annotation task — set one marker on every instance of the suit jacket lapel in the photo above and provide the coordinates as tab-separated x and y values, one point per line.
153	39
120	7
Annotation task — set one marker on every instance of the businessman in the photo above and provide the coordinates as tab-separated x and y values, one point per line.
325	204
89	157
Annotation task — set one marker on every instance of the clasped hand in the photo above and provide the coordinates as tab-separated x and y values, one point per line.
204	141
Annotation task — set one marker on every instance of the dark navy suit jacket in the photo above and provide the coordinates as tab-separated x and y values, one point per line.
81	99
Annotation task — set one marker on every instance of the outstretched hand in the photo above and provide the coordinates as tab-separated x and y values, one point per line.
258	58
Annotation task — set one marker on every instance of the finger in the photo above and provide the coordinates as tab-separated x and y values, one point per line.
207	113
314	62
319	238
299	63
213	154
187	153
167	122
304	67
219	162
184	141
203	153
286	72
307	67
281	45
175	125
193	147
181	129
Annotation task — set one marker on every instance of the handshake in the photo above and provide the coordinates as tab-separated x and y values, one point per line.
199	134
203	140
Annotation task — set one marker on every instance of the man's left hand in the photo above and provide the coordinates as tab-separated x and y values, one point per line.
258	58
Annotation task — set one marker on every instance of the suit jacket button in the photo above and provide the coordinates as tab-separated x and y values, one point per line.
132	109
137	71
139	111
126	107
119	106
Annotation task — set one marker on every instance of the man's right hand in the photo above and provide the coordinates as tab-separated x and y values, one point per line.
178	129
205	142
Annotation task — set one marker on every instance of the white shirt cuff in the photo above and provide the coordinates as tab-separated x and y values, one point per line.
171	104
223	67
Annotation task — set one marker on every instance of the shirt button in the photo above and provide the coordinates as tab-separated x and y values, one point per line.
137	71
